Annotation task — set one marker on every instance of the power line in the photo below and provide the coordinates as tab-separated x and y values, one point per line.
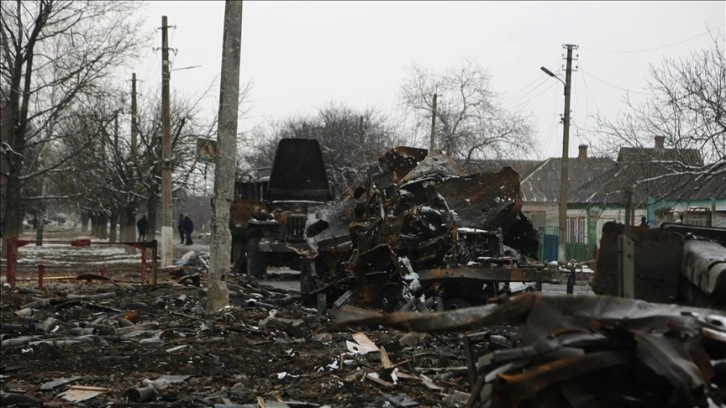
609	84
513	96
522	101
517	100
652	49
589	91
551	132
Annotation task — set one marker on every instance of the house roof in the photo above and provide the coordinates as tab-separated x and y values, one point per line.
523	167
650	179
695	189
687	157
543	184
611	186
603	180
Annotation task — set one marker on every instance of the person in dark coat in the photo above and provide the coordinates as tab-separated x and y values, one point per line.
643	221
180	228
141	225
188	229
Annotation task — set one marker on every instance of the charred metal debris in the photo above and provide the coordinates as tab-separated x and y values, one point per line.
676	263
581	351
419	234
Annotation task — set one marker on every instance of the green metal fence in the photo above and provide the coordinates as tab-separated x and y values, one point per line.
549	242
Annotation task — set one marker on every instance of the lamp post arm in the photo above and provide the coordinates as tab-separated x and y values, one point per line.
550	73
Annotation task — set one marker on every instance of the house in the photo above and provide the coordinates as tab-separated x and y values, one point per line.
540	189
652	182
659	183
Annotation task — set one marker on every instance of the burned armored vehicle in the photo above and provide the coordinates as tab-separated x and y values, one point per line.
269	215
421	230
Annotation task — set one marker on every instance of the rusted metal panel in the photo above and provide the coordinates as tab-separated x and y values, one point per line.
506	274
434	165
657	262
401	160
675	264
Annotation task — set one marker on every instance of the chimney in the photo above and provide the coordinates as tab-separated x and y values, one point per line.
583	151
659	142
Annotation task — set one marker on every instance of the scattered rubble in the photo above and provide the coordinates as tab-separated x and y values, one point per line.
101	343
579	351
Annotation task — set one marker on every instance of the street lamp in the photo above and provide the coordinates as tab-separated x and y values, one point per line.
564	179
550	73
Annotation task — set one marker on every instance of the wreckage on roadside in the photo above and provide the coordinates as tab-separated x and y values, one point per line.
580	351
421	230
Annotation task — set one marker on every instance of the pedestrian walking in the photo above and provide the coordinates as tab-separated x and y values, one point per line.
188	229
180	228
142	224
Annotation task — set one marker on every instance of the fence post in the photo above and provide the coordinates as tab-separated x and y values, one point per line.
143	265
154	265
41	273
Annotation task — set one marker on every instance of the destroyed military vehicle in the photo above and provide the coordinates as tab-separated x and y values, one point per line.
421	230
268	215
675	263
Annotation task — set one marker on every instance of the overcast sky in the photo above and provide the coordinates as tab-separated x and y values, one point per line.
299	56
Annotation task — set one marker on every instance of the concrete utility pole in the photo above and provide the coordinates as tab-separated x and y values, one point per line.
564	180
134	131
432	142
226	163
167	248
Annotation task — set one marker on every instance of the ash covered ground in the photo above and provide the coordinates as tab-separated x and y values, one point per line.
117	342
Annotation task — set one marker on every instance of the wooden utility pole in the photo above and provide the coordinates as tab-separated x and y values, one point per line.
432	141
134	130
564	180
226	163
167	248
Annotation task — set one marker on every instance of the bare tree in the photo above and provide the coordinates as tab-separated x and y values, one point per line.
351	141
469	122
88	179
686	107
54	53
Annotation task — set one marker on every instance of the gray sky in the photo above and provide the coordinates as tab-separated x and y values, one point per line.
299	56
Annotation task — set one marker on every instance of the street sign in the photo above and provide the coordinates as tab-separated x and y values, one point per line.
206	150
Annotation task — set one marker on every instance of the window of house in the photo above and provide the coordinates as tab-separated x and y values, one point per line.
577	230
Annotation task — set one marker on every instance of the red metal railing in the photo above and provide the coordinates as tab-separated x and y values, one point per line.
14	244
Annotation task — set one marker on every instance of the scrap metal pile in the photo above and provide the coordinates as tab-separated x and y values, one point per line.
423	231
583	351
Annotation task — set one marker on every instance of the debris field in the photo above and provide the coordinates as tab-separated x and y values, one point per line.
100	343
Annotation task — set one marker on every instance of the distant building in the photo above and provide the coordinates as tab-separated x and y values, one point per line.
641	182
